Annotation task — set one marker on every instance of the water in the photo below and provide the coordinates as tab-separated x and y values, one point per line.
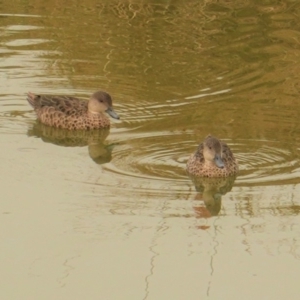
113	214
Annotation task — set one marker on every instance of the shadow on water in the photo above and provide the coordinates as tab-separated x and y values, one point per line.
94	139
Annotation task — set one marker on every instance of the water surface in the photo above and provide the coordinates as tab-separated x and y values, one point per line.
113	214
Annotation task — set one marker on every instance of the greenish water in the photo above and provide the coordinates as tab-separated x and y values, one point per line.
113	214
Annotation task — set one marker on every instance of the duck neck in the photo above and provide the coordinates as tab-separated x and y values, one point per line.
209	163
94	113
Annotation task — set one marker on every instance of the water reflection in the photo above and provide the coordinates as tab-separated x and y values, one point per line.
211	190
94	139
179	70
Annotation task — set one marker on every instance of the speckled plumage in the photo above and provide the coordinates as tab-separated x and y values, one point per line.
211	153
72	113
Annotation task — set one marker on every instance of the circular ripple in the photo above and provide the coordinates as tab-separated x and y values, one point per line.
155	155
267	163
162	156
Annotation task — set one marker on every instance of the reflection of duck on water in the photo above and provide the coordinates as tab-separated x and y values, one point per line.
211	190
213	170
94	139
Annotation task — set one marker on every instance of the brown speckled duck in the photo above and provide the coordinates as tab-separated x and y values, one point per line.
213	158
72	113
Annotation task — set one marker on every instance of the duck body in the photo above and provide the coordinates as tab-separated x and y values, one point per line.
73	113
213	158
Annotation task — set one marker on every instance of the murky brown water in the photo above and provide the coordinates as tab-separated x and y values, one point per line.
112	214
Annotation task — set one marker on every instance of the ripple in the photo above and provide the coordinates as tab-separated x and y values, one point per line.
267	164
20	15
147	159
208	94
146	111
21	27
25	42
148	155
152	110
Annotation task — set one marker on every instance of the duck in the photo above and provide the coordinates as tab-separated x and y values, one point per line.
213	158
72	113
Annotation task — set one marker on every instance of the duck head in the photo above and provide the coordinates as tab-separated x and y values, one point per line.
212	151
101	102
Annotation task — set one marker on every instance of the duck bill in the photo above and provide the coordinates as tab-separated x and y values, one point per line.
112	113
219	161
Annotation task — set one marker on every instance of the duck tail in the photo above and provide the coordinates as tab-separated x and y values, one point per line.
31	99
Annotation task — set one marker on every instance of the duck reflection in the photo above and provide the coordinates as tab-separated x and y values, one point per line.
94	139
211	190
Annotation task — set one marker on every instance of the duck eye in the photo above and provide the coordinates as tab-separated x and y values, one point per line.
209	147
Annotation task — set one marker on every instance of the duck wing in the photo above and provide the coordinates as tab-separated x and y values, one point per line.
199	153
65	104
227	154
